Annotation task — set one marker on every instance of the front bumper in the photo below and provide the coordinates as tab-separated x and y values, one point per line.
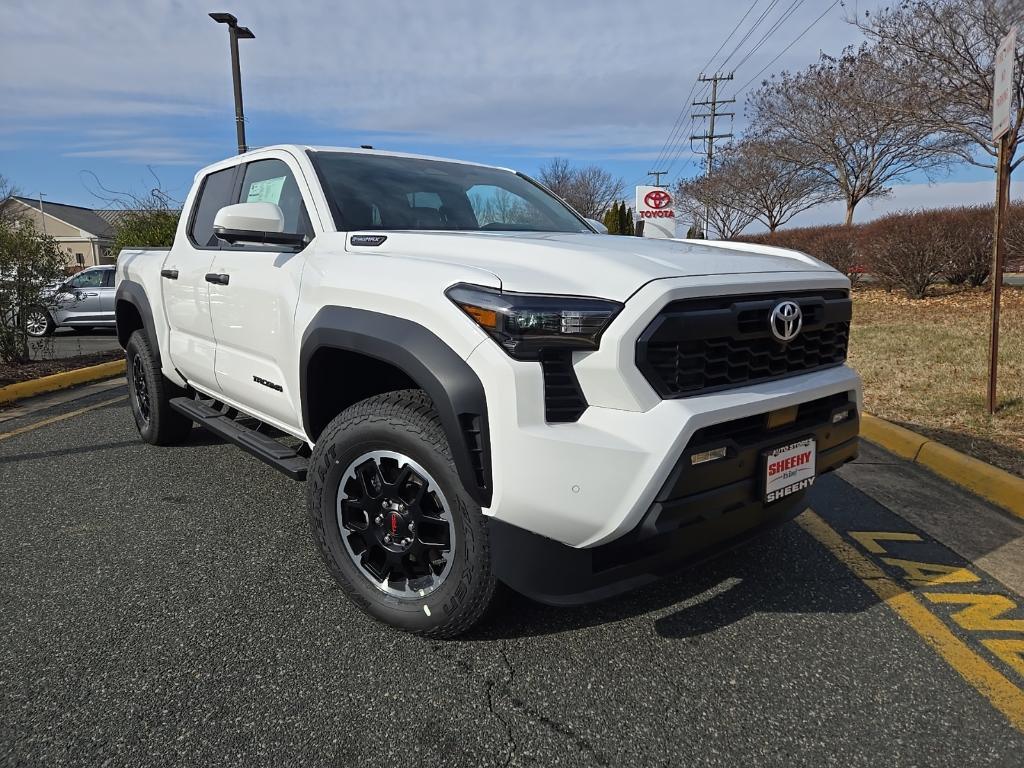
699	512
589	482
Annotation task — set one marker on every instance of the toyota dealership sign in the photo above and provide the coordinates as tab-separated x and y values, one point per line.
654	206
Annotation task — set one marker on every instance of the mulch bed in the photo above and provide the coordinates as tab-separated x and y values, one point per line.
11	374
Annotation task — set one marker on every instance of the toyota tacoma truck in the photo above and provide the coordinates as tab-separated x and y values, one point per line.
477	385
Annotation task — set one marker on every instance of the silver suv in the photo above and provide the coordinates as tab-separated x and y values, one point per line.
83	301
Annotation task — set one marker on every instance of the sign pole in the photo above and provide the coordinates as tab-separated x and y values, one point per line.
1002	122
996	278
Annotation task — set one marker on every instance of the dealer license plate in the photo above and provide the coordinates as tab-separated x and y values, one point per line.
789	469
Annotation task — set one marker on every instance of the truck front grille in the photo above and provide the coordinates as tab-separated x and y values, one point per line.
696	346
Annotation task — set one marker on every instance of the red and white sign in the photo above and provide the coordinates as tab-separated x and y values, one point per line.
654	205
789	470
1002	95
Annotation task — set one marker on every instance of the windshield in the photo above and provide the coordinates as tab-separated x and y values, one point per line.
367	191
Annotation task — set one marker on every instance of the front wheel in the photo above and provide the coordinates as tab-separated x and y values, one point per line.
38	322
395	527
150	393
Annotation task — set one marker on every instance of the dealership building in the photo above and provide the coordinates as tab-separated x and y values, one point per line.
84	234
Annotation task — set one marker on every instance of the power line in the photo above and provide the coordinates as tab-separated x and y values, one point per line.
793	8
757	22
677	124
791	44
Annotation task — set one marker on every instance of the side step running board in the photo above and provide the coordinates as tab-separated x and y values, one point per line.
264	448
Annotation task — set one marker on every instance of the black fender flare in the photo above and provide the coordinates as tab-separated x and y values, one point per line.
133	293
436	368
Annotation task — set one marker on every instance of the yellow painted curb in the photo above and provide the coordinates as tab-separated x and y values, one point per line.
23	389
894	439
991	483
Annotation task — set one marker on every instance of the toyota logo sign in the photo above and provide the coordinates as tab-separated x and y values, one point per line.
658	199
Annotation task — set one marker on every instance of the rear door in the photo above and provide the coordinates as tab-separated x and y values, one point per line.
106	292
192	346
254	310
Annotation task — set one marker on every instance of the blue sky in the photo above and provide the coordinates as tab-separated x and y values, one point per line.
110	94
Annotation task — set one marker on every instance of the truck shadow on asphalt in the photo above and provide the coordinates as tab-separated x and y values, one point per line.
76	451
784	572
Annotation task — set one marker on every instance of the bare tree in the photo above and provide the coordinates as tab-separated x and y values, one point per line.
140	220
770	187
591	190
839	119
938	57
713	196
7	191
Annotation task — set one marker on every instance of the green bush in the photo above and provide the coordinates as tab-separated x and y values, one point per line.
31	263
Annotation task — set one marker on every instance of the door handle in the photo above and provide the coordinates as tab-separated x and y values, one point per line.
170	274
218	279
90	293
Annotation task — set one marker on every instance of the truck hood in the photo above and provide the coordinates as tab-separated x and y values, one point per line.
606	266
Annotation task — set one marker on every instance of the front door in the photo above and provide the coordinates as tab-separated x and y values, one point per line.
253	308
79	302
186	292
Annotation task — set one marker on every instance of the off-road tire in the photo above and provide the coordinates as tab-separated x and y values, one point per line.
162	425
403	422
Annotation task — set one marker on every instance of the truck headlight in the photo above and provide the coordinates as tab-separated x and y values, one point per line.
526	323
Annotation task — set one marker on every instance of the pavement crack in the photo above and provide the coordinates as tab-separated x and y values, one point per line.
507	686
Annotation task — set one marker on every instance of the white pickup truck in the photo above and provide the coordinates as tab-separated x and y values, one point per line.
478	386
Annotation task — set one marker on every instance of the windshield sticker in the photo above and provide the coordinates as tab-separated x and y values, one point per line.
266	191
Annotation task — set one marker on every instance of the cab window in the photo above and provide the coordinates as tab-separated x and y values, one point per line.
271	181
90	279
214	194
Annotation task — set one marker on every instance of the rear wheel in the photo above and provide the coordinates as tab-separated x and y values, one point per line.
150	393
38	322
397	530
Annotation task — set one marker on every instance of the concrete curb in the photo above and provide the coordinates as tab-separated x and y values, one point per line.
995	485
23	389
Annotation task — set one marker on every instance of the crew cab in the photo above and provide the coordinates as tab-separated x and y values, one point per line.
480	388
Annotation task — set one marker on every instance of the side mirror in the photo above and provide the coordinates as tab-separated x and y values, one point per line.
254	224
601	228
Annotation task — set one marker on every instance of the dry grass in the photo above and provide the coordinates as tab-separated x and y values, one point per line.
925	365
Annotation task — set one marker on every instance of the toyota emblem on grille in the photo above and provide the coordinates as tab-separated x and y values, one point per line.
786	320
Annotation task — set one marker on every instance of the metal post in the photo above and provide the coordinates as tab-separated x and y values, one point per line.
235	33
996	278
236	76
42	216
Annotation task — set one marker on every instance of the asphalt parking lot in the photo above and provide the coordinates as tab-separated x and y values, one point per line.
68	342
166	607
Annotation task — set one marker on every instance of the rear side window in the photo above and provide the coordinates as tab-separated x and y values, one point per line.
213	195
108	278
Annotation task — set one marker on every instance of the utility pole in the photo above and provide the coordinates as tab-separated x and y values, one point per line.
236	33
710	137
657	176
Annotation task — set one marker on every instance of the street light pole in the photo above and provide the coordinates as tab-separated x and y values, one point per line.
42	216
236	33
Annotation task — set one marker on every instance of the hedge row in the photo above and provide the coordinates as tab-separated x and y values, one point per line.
910	251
